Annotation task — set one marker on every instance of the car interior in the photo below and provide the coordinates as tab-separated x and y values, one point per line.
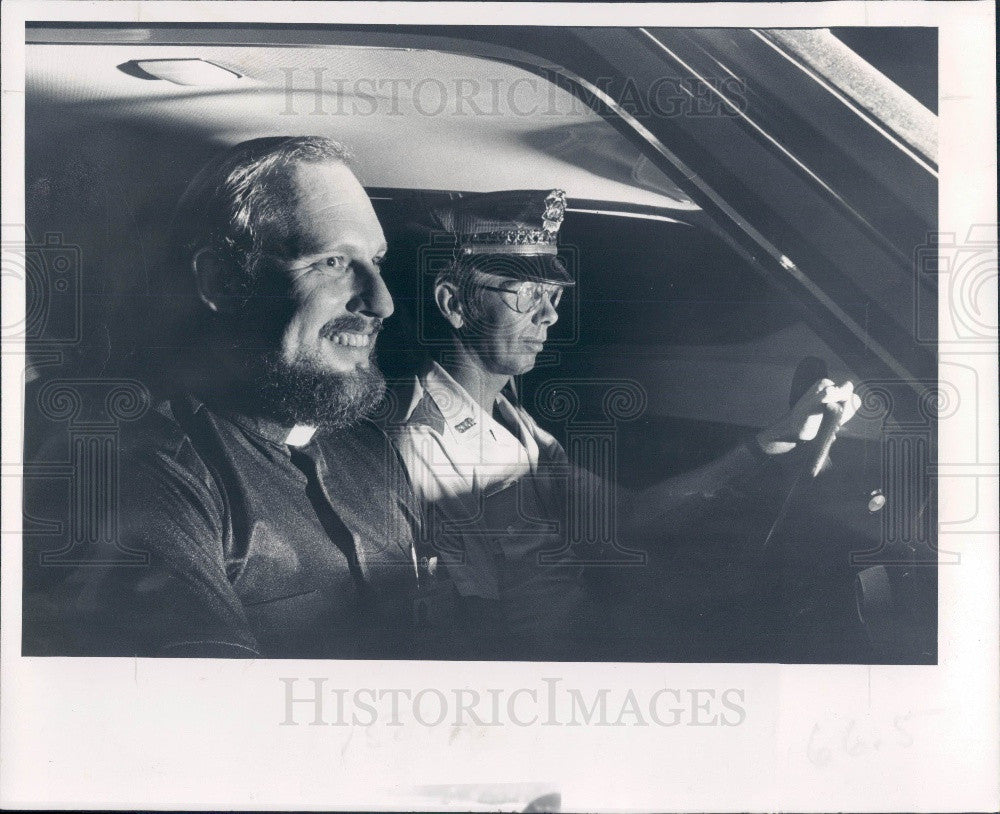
667	309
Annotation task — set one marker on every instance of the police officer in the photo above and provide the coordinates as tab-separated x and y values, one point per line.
492	483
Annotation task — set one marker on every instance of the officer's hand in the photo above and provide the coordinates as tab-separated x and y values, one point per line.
803	421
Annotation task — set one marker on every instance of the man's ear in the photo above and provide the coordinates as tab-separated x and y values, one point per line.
449	303
213	278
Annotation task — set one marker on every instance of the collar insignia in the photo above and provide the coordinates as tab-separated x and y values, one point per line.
466	424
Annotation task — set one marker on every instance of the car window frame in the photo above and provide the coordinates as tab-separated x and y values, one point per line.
595	64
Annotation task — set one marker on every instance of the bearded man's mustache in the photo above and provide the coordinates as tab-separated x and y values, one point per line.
351	323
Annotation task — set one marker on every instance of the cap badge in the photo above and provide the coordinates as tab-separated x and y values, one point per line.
555	210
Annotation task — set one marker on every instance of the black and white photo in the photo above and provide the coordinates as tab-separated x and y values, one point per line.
458	381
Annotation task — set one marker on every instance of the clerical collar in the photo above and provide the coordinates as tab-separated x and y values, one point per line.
274	432
300	435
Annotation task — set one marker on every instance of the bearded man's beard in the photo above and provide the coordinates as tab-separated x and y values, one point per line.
302	393
304	390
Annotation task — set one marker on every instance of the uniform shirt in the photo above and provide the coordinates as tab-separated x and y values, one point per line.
252	546
493	497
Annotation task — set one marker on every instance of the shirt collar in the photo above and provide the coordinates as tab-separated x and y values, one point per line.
272	431
279	434
461	412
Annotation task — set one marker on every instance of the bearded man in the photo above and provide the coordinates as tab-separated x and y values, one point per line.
256	491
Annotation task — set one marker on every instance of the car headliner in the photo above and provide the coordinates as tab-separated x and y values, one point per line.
417	119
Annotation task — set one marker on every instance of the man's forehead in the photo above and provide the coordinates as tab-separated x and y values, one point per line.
329	185
326	198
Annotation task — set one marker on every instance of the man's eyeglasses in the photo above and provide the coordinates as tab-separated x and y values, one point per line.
529	295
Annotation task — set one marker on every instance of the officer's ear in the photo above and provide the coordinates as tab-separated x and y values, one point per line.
216	283
449	303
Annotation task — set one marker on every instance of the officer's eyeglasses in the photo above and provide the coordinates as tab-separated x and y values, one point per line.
529	295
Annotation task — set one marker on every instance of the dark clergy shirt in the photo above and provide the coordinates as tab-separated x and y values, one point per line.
242	546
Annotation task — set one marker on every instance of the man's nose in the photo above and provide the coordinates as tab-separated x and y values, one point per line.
546	313
372	297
